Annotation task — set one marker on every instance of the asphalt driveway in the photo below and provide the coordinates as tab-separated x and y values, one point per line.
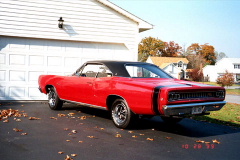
38	133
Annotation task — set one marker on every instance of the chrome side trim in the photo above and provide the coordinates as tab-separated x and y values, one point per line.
85	104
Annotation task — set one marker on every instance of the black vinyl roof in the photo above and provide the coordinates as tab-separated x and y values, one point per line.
117	67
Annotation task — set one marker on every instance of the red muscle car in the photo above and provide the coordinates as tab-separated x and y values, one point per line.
128	89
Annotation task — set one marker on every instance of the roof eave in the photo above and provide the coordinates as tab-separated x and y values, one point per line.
142	25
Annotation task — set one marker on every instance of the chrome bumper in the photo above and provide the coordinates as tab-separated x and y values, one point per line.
186	109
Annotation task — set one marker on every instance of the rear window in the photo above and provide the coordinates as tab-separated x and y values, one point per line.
146	71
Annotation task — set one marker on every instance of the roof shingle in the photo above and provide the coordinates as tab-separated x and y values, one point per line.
159	61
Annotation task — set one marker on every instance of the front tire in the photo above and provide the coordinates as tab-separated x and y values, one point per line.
121	114
54	101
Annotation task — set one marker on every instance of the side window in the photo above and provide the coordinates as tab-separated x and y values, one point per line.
94	70
104	72
138	71
90	70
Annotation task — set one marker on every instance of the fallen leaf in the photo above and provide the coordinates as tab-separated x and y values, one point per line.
141	134
83	117
53	118
60	152
74	131
17	130
66	129
6	121
130	132
200	141
118	135
207	142
61	115
33	118
23	134
134	136
18	120
168	137
73	155
102	128
71	114
215	141
90	136
68	158
150	139
80	141
68	140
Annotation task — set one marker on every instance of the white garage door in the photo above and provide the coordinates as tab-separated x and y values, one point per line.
22	60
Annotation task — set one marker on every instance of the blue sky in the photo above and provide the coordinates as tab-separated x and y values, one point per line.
216	22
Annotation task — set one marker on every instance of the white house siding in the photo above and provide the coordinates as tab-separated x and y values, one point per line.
220	68
84	20
172	70
22	60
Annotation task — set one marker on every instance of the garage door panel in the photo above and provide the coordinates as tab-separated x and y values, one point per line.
33	75
17	76
54	61
2	58
36	60
72	62
2	92
17	59
2	75
33	93
17	92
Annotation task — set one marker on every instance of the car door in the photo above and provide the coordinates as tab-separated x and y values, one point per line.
81	85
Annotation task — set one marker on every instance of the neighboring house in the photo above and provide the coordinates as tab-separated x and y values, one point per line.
33	43
232	65
173	65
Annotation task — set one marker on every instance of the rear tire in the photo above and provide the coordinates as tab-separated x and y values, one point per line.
121	114
54	101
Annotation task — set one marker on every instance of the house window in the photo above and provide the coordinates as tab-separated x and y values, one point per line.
180	64
236	66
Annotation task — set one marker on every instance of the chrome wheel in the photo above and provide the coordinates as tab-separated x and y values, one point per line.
52	98
120	113
54	101
122	116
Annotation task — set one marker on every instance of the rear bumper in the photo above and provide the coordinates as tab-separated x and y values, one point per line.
186	109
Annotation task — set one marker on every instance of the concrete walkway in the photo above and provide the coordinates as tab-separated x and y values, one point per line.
232	98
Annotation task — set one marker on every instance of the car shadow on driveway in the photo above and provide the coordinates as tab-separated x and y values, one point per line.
187	127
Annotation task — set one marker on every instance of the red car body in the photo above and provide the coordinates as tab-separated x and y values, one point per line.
165	96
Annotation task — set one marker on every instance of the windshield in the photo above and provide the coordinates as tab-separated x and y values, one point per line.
146	71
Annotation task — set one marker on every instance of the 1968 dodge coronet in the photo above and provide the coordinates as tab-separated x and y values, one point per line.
128	89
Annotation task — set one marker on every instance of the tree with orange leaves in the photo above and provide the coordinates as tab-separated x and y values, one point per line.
201	55
171	49
149	46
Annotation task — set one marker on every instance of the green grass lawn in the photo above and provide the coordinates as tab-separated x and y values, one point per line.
233	91
228	115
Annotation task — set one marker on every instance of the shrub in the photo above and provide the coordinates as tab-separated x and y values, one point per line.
196	74
226	80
